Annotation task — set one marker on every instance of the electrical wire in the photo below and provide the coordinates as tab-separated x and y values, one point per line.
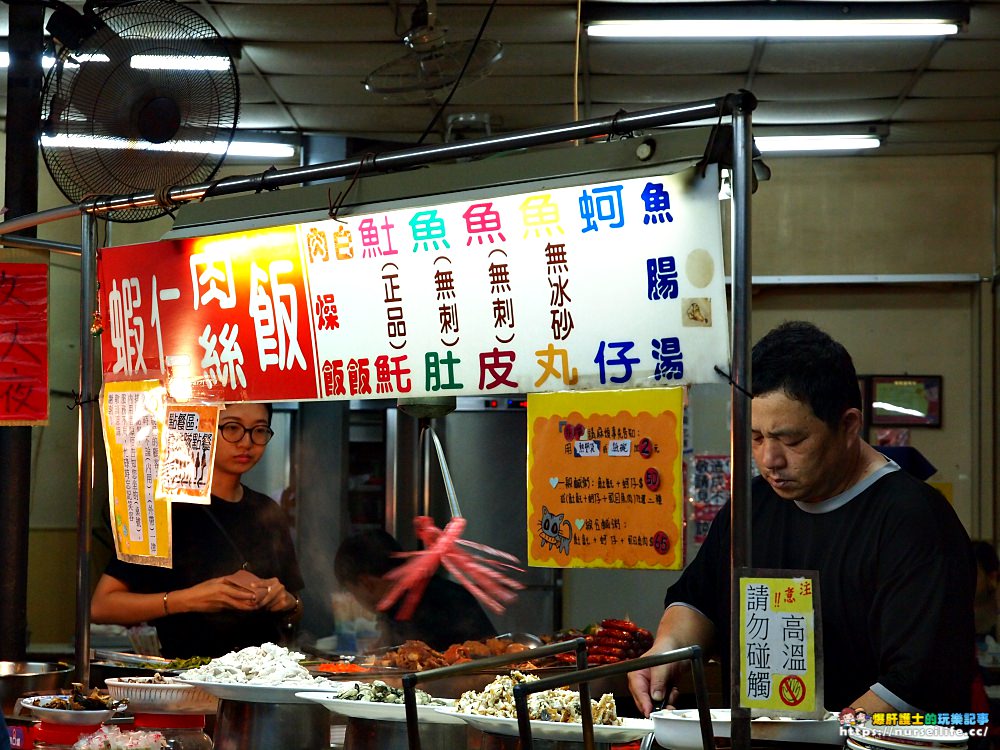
576	61
461	74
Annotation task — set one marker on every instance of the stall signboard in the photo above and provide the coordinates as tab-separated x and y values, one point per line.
24	344
132	417
595	287
780	643
605	479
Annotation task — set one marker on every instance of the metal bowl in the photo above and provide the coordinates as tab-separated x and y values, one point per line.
20	677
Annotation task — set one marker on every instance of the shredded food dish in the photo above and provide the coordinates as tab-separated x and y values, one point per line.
267	665
561	704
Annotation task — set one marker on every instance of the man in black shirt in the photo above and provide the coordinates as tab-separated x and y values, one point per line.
446	614
896	571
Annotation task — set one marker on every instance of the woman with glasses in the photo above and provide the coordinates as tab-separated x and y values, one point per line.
235	577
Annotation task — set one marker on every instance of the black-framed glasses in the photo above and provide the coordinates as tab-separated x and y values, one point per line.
233	432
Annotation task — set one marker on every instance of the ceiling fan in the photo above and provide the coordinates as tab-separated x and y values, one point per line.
432	64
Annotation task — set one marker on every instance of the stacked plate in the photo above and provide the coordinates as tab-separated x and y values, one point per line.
163	695
871	737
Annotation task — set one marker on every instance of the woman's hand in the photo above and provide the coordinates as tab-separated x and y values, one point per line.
270	593
274	597
214	595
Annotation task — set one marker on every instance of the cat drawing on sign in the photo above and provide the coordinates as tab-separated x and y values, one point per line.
550	531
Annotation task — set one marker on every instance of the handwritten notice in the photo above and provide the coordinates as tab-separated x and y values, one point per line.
600	286
187	453
604	479
132	417
779	643
710	491
24	347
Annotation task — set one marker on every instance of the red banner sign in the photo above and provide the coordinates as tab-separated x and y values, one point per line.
24	347
239	320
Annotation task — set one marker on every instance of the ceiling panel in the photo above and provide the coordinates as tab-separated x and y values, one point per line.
377	22
829	86
974	83
967	54
945	110
812	113
673	58
660	89
820	56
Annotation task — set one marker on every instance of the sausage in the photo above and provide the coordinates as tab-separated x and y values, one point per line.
598	659
626	625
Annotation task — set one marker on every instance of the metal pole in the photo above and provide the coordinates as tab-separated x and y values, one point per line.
740	505
24	106
40	217
85	483
30	243
618	124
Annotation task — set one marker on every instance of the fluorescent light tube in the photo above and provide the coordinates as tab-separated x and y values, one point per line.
758	28
180	62
139	62
253	149
791	143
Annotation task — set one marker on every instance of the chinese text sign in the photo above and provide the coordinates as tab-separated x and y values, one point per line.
187	453
604	479
710	490
779	654
24	347
606	286
132	421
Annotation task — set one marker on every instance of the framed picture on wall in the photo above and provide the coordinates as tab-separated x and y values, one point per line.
905	400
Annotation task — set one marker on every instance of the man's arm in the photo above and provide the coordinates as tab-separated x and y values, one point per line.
872	704
680	626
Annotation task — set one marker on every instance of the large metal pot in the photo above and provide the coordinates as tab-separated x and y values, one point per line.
241	725
20	677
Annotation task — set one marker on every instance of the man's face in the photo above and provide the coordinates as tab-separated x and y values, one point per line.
799	455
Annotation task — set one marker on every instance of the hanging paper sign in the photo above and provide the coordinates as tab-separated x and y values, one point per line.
780	643
132	417
24	344
604	479
711	490
187	453
604	286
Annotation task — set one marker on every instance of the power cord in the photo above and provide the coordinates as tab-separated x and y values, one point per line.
461	74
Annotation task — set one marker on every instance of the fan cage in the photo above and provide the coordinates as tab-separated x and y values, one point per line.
424	74
102	118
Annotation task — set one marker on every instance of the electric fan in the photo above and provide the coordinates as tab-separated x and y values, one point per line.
432	64
143	96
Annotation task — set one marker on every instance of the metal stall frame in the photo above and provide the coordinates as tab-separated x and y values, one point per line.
739	106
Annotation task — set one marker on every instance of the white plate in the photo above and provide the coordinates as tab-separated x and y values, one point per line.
681	730
630	729
40	710
229	691
381	711
173	697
